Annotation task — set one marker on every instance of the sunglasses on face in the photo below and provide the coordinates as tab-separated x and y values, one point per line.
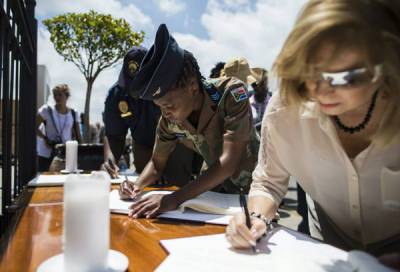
353	77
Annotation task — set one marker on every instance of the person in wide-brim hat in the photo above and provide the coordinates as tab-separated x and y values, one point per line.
239	68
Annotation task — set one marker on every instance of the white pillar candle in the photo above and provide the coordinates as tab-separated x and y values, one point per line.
86	222
71	156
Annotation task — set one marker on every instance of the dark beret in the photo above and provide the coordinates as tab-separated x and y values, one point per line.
130	67
160	68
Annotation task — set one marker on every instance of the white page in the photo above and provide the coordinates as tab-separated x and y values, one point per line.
47	180
189	215
117	205
122	206
213	202
58	180
283	250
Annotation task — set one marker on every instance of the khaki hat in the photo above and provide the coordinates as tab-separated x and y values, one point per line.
239	68
261	73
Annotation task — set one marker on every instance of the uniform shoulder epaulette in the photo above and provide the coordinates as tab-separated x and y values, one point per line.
212	90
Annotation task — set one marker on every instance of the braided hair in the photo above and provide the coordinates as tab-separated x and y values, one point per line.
190	69
216	70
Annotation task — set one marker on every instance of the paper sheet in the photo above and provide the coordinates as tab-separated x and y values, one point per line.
58	180
197	216
283	250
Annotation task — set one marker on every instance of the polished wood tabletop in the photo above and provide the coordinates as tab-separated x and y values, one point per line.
38	235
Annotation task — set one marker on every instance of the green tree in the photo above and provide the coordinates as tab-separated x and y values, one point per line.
93	42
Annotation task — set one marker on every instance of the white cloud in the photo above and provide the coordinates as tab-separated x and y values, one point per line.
256	33
171	7
131	13
235	3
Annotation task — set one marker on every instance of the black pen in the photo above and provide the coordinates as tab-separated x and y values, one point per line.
110	162
243	204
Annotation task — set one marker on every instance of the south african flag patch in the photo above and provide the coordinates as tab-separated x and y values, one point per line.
239	94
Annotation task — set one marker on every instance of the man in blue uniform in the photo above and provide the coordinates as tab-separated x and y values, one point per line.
123	111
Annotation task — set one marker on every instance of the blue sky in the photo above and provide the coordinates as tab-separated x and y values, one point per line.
188	20
213	30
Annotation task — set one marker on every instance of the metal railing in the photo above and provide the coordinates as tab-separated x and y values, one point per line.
18	62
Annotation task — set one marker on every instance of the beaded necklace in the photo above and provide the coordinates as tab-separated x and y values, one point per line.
363	124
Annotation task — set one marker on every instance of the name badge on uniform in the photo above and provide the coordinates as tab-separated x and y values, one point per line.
239	94
180	135
123	108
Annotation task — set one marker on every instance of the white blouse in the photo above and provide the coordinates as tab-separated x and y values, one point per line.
362	197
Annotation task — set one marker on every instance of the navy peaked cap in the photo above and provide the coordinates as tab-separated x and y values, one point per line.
132	60
160	68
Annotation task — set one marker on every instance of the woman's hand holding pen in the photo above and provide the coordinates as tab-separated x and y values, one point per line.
240	236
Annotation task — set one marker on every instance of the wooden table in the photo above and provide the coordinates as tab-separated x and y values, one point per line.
38	235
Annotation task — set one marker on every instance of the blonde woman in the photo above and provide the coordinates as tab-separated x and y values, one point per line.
60	124
334	125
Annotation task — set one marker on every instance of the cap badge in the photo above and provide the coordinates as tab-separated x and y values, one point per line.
123	106
132	67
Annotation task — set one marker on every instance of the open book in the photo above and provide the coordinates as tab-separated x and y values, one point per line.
209	207
208	202
118	205
214	203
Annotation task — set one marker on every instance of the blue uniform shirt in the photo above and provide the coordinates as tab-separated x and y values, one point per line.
121	112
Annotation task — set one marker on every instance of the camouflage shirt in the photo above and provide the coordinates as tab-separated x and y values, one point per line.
225	116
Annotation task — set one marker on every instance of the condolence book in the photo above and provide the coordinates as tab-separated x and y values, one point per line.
210	207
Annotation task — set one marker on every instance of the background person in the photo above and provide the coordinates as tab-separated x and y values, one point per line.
123	112
239	68
259	99
92	136
55	125
100	133
257	84
216	70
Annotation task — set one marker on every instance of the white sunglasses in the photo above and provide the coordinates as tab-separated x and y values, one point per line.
353	77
